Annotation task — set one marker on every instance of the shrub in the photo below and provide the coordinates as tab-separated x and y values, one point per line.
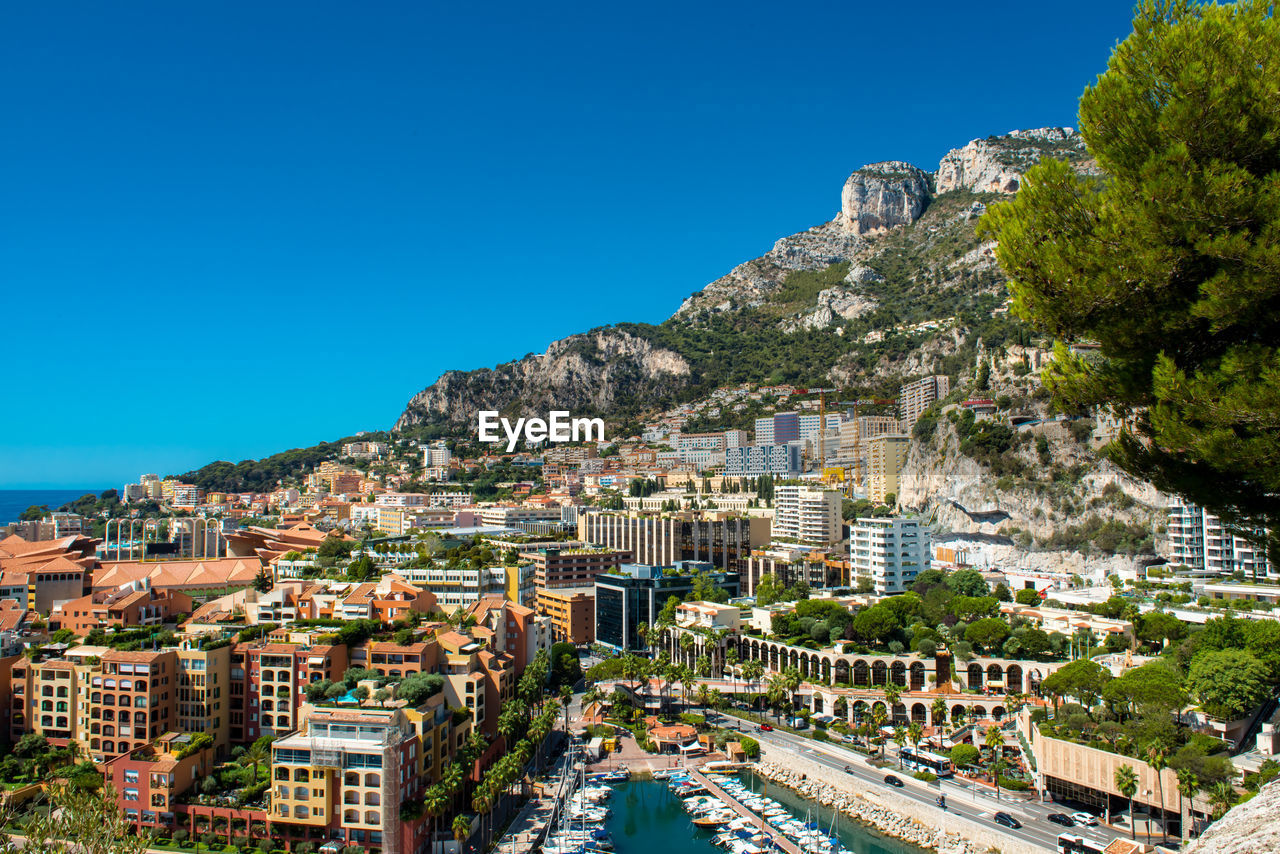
1014	785
926	776
821	735
750	747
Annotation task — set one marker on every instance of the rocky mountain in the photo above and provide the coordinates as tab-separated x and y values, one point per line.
886	288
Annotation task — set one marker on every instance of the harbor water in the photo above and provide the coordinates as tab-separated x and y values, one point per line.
648	818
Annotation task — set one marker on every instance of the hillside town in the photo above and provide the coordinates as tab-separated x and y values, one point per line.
347	661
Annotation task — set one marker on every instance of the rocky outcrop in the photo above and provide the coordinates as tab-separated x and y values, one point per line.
845	303
875	199
584	374
1249	828
996	164
882	196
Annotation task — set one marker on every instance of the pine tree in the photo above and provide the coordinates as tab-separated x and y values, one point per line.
1169	261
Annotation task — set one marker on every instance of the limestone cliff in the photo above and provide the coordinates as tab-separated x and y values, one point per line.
996	164
1250	828
586	374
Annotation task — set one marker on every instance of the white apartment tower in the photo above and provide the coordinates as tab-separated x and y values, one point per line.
890	552
1198	541
806	515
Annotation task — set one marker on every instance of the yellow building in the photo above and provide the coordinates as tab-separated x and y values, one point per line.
886	456
203	693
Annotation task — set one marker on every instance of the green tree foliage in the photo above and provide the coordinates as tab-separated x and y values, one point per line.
1082	679
1027	597
965	755
1169	262
987	633
875	625
968	582
1228	683
565	667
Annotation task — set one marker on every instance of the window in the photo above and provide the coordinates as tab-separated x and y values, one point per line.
131	776
130	794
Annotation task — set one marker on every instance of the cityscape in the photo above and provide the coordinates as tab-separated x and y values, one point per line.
948	524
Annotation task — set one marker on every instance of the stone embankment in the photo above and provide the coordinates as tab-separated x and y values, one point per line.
900	817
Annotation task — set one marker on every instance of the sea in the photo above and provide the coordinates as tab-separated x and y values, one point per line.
14	501
648	818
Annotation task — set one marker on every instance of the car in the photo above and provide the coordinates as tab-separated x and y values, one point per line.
1087	819
893	781
766	728
1007	820
1061	818
848	769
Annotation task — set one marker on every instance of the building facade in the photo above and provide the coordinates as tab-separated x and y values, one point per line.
890	552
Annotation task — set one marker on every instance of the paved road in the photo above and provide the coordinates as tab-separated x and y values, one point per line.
963	799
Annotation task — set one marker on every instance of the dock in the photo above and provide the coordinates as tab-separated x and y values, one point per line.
774	835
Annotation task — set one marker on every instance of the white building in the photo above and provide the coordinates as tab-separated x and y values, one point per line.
462	586
807	515
891	552
507	517
736	438
764	431
436	456
755	460
1198	541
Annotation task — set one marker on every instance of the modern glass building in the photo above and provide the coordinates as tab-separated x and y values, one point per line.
636	597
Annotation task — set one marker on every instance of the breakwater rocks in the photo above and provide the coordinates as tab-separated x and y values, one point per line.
899	817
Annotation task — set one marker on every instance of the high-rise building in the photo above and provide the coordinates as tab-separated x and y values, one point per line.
725	541
916	397
436	456
805	515
1198	540
886	455
786	427
764	431
755	460
890	552
635	598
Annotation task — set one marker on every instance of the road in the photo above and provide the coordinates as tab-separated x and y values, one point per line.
963	799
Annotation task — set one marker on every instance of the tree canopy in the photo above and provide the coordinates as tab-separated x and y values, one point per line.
1169	263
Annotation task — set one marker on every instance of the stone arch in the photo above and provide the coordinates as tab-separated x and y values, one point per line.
879	704
995	673
878	672
998	713
1013	678
817	703
898	672
899	715
842	671
795	659
917	676
859	710
975	675
825	668
1033	681
958	713
861	673
918	713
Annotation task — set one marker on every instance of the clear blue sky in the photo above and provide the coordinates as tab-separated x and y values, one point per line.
234	228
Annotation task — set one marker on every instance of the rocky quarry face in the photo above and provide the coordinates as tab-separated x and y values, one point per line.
996	164
1250	828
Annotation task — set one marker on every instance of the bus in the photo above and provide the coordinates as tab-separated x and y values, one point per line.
923	760
1070	843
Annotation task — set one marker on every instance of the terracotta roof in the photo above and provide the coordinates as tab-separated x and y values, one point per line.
234	571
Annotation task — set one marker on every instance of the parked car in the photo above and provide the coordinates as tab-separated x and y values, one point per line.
766	727
848	769
1007	820
893	781
1087	819
1061	818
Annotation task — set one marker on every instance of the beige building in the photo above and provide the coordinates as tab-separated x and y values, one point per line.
807	516
886	456
203	693
914	398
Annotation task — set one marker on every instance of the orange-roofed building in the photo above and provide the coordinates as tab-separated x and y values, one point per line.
190	576
129	607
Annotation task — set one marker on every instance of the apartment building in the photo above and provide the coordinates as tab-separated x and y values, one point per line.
789	566
132	605
436	456
915	397
132	701
555	567
510	517
890	552
392	659
724	540
267	679
780	460
515	630
572	612
146	782
886	456
476	678
203	699
808	516
456	587
349	771
366	450
1199	541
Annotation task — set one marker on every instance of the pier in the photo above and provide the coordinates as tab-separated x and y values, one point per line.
773	835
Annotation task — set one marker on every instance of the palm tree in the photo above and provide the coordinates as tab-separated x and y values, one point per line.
1221	797
566	700
1127	785
686	644
703	696
994	741
643	631
1157	758
915	732
702	666
434	803
730	662
939	711
1188	785
878	720
776	694
482	803
752	671
461	829
899	738
688	682
257	753
891	697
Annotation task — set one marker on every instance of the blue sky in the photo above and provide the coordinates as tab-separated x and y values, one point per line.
234	228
